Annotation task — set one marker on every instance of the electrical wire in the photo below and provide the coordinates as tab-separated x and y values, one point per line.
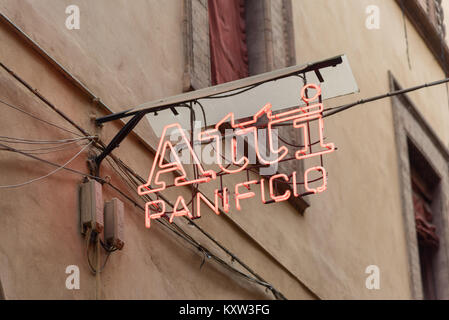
172	227
178	231
43	99
8	148
34	141
297	145
334	110
93	270
223	96
37	118
249	169
256	279
47	150
47	175
107	247
208	142
87	244
220	96
101	145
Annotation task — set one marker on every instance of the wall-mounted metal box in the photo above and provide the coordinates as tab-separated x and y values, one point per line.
114	223
91	206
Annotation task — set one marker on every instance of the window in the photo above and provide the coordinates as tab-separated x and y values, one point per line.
227	34
2	294
264	26
227	40
424	176
424	183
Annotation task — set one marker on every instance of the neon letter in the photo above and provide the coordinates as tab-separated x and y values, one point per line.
323	187
295	185
205	176
213	207
287	193
241	196
179	213
262	190
226	200
149	215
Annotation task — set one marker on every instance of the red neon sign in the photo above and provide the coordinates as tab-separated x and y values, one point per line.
205	176
299	117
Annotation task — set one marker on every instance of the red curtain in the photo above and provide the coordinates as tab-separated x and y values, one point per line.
229	53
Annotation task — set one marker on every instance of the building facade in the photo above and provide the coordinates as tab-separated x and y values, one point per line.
387	198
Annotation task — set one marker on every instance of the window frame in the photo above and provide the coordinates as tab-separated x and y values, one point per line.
409	125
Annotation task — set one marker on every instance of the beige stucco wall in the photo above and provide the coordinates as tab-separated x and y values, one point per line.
155	264
362	206
130	54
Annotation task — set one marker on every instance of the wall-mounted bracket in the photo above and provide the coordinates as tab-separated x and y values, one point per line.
115	142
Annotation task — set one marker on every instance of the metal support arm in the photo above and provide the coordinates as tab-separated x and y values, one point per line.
115	142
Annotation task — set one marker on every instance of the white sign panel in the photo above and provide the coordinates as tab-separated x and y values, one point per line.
281	93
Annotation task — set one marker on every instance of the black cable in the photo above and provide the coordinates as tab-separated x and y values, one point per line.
107	247
297	145
188	239
35	141
178	231
37	118
88	238
330	111
192	241
46	150
233	257
334	110
88	244
101	145
203	111
43	99
46	175
8	148
220	95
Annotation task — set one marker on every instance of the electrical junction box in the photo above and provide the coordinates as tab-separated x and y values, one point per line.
114	223
91	206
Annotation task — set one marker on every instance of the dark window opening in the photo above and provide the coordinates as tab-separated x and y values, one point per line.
228	48
2	293
424	183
